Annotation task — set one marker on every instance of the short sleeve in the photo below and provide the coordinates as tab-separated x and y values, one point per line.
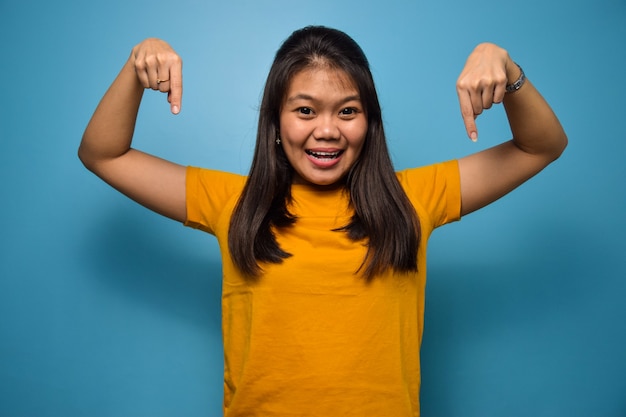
435	191
208	194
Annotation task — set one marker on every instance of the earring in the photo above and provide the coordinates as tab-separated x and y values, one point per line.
278	141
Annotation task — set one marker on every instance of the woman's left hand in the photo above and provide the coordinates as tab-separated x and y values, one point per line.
483	82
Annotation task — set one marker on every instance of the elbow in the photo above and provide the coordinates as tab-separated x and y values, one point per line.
83	156
87	157
560	145
552	145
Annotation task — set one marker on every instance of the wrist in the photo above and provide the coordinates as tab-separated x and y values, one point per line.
129	73
515	77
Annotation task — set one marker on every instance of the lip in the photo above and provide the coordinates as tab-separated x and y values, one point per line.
324	162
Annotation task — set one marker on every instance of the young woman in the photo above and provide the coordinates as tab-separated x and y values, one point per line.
323	244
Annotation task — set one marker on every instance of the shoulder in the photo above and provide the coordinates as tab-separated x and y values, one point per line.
210	197
208	187
430	176
214	179
434	190
202	173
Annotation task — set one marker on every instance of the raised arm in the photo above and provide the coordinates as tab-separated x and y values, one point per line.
538	138
105	148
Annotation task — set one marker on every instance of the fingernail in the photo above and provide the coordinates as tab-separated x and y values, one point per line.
474	136
175	109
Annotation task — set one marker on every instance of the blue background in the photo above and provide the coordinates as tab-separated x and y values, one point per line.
107	309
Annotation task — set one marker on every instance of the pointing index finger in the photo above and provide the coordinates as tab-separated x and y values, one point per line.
176	87
469	117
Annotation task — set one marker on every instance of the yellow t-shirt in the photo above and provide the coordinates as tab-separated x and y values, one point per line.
311	337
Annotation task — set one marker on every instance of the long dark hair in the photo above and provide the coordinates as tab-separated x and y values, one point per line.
382	212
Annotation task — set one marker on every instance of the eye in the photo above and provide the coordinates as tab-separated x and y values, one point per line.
348	111
305	111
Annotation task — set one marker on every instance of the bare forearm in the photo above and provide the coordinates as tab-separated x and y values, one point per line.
538	138
110	130
105	148
536	129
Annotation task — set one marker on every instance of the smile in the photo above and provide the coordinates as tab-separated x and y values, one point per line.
324	155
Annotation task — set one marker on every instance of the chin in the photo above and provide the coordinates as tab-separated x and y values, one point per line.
325	182
321	178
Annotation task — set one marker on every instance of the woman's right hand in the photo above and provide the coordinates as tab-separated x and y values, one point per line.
159	68
106	145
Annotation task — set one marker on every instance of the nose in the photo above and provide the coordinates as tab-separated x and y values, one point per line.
326	128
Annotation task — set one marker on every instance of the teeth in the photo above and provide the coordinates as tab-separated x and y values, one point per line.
324	154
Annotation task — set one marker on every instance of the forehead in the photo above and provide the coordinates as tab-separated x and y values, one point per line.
324	80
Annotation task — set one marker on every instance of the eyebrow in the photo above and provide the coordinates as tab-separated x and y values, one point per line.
303	96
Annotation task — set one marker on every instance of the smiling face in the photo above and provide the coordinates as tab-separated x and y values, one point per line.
322	125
